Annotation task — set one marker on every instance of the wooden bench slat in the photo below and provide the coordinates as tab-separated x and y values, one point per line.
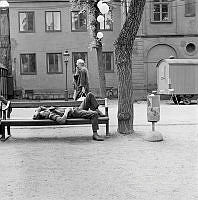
50	103
46	122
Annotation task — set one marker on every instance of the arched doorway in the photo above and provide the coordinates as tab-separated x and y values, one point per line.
155	54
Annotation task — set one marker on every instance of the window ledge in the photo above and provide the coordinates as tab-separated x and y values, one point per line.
79	30
28	73
109	71
105	29
51	73
52	31
161	22
26	31
189	15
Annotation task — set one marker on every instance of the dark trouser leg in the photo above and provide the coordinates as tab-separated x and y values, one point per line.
89	102
93	115
94	121
78	93
87	114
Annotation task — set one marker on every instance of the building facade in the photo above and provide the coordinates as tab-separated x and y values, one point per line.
168	28
41	31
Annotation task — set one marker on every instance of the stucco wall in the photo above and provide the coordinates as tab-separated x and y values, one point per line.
161	40
179	24
42	42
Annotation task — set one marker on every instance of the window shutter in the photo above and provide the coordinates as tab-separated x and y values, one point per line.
189	8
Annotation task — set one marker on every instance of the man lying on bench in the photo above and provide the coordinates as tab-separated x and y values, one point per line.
88	109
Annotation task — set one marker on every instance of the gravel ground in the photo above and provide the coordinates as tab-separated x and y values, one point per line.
64	163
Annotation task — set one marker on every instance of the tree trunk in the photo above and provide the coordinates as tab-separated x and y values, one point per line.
123	53
125	95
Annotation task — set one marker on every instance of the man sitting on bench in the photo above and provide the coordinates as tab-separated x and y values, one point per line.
4	101
88	109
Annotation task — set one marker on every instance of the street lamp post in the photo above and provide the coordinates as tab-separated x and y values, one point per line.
66	59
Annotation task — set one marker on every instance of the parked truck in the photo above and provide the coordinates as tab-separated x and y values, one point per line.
179	79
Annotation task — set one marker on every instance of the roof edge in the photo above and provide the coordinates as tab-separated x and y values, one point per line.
179	61
35	1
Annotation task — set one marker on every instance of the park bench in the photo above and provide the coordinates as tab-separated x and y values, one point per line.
6	121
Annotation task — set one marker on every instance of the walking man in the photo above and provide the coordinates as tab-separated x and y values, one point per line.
81	80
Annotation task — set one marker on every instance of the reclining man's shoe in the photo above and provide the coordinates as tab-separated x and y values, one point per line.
97	137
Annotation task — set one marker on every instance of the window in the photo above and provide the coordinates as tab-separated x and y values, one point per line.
76	56
52	21
108	23
190	8
4	25
79	21
54	63
190	48
161	11
26	21
28	63
108	61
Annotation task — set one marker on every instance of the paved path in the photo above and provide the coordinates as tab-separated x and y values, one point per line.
66	164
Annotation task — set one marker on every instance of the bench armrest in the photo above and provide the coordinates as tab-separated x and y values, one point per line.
7	106
106	107
0	110
5	111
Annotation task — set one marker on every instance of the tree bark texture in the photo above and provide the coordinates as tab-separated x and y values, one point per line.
123	53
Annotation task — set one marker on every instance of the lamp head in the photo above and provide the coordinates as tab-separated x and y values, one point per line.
4	4
66	56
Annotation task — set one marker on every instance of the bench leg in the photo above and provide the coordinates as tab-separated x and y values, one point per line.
2	130
8	130
3	134
107	129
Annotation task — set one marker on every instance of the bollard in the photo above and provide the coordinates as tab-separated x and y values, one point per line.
153	115
153	109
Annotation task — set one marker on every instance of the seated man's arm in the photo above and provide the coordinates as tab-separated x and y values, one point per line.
5	101
38	111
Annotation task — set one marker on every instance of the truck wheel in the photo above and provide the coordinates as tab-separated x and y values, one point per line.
176	99
186	101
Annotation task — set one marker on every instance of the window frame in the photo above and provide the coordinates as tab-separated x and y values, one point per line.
74	63
61	62
78	30
111	29
33	31
160	3
187	8
4	24
112	59
52	20
21	69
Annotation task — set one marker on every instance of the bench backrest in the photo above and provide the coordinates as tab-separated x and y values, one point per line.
35	104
